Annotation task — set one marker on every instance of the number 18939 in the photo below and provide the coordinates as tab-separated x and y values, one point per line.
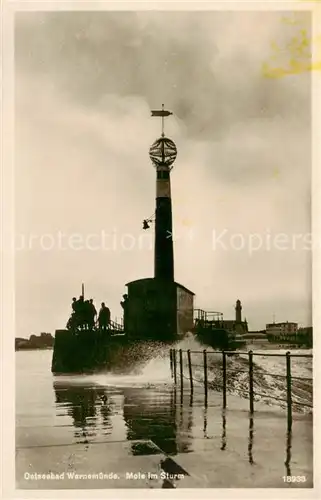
294	479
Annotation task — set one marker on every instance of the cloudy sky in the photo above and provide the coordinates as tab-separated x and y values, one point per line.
85	84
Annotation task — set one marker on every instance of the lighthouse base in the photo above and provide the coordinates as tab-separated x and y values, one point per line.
158	310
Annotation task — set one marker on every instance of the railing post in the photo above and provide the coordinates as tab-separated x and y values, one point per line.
288	453
224	379
251	390
171	361
289	389
190	369
223	431
205	375
175	365
181	367
250	445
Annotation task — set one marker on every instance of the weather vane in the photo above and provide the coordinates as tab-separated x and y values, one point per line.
163	151
163	113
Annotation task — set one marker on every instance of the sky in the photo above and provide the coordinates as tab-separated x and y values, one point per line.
85	83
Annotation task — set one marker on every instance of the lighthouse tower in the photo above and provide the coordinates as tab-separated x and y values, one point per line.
238	312
158	308
163	153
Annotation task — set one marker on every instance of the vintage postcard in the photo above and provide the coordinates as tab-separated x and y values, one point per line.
161	165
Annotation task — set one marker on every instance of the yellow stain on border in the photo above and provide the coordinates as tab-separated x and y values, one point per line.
304	54
186	222
294	68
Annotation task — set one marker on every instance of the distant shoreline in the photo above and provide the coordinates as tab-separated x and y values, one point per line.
27	348
42	341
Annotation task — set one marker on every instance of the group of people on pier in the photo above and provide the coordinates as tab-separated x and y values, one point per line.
84	315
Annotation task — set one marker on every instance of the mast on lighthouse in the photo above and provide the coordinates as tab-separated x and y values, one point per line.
163	153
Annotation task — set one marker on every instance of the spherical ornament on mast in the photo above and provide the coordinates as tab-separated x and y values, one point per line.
163	152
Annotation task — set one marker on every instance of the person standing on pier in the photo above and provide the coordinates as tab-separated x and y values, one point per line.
74	304
104	317
124	304
74	317
92	313
72	321
80	312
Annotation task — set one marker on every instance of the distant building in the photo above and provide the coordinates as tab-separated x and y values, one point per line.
20	343
234	326
306	334
281	331
43	341
305	330
289	332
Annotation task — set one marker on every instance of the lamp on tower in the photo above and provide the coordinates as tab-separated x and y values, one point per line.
148	221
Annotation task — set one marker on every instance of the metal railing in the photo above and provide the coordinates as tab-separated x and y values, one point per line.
116	325
201	315
251	393
112	326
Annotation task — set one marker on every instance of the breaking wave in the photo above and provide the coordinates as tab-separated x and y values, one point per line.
269	374
269	378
